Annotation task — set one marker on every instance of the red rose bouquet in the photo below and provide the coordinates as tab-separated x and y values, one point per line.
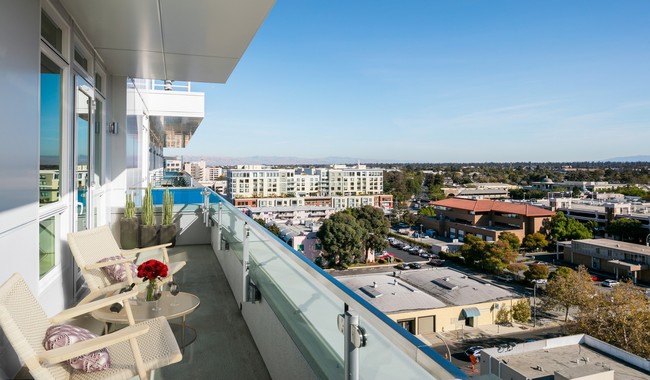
152	270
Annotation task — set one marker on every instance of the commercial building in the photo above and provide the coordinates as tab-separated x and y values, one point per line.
601	211
578	357
486	219
617	258
434	299
547	184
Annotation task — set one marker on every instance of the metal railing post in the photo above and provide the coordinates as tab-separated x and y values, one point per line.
245	257
354	337
219	207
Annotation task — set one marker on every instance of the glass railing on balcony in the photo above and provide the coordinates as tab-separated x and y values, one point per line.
308	301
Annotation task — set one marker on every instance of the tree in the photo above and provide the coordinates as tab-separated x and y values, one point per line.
503	316
566	289
627	229
342	238
409	218
561	228
274	229
560	271
472	250
427	211
375	226
521	311
534	242
536	272
490	257
619	318
511	239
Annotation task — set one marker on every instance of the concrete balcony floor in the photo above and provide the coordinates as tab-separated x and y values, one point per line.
224	347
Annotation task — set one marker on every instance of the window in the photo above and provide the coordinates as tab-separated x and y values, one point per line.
50	130
51	32
80	59
47	238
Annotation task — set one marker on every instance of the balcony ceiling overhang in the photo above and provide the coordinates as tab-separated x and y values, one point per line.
188	40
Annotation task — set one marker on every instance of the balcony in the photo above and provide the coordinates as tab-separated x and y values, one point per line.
268	312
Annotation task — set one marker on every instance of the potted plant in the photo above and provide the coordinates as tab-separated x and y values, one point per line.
129	225
168	228
148	228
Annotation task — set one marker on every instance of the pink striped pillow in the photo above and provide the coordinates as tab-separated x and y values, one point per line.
66	335
117	272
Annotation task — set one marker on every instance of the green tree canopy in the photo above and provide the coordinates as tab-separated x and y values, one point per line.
511	239
536	272
342	238
562	228
375	228
490	257
521	311
535	241
627	229
427	211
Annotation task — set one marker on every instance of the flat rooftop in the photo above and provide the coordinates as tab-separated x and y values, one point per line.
421	289
615	244
575	355
390	296
456	288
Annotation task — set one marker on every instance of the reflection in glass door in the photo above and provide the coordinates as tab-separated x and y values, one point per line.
83	116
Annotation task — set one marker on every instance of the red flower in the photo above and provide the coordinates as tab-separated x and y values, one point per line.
152	270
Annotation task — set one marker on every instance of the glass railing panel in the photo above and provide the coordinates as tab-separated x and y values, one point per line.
307	301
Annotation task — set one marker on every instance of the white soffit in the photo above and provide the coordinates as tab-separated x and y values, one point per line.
188	40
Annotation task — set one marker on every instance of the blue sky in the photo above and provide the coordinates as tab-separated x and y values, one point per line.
437	81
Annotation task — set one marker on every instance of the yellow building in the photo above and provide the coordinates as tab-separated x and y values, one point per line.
433	300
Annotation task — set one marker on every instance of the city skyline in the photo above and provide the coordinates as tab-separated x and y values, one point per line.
437	82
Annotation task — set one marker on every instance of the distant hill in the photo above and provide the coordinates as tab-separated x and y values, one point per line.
275	160
645	158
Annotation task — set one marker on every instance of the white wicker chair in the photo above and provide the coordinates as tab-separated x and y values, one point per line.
134	350
90	246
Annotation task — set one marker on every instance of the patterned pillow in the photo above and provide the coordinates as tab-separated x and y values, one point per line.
65	335
117	272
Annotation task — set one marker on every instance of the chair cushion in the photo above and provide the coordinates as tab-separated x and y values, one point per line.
117	272
65	335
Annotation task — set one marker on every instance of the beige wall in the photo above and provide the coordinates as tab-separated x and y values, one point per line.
450	318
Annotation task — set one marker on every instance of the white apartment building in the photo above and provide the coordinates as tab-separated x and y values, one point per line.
173	165
201	172
253	181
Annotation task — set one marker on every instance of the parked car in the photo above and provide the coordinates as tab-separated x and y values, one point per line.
403	266
595	278
406	247
504	278
414	250
610	283
415	265
474	350
425	255
436	262
539	281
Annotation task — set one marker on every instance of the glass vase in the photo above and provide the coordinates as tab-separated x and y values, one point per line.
153	292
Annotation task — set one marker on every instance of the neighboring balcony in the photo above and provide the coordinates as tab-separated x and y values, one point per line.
289	306
174	111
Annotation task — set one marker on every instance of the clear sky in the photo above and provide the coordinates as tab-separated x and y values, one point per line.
437	81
